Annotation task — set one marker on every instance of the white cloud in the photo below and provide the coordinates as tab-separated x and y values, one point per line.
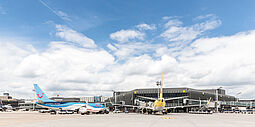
63	15
125	51
145	65
224	61
62	64
170	17
210	16
146	26
127	35
75	37
207	63
111	47
174	22
73	70
175	32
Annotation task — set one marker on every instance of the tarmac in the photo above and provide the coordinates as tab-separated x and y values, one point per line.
35	119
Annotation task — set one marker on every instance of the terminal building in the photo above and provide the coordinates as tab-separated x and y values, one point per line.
6	99
189	98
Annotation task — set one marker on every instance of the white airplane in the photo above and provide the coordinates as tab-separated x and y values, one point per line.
45	102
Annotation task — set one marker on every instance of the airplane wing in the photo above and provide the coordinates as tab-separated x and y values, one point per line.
149	98
175	98
148	108
132	106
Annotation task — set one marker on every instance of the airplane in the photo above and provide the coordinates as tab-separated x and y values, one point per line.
44	101
157	106
159	103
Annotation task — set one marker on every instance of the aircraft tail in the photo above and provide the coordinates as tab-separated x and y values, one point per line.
41	96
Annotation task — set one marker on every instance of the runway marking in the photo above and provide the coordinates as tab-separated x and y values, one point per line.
168	117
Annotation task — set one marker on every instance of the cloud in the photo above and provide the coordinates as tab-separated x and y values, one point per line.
127	50
172	23
223	61
170	17
63	15
226	61
62	65
175	32
75	37
208	16
111	47
146	26
145	65
127	35
75	66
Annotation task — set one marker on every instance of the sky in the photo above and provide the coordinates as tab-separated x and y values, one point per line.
88	47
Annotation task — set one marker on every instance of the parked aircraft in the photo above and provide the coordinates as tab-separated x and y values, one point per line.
159	103
45	102
157	106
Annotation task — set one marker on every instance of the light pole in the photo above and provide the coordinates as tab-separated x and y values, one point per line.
34	100
217	99
158	83
115	99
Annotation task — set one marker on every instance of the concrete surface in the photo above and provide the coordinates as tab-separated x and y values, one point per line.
35	119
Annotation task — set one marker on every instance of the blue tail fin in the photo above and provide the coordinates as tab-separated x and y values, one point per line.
41	96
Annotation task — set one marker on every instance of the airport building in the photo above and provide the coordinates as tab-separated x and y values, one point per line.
188	98
129	97
6	99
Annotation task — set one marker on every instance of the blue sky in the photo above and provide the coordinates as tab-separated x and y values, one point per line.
97	19
123	45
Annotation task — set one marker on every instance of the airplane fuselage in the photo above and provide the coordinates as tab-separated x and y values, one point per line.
93	107
159	104
63	106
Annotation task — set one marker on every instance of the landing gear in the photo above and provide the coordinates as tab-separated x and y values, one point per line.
164	112
106	111
53	112
144	111
149	111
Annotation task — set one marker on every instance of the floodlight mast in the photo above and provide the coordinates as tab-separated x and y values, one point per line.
217	99
33	102
158	83
161	83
